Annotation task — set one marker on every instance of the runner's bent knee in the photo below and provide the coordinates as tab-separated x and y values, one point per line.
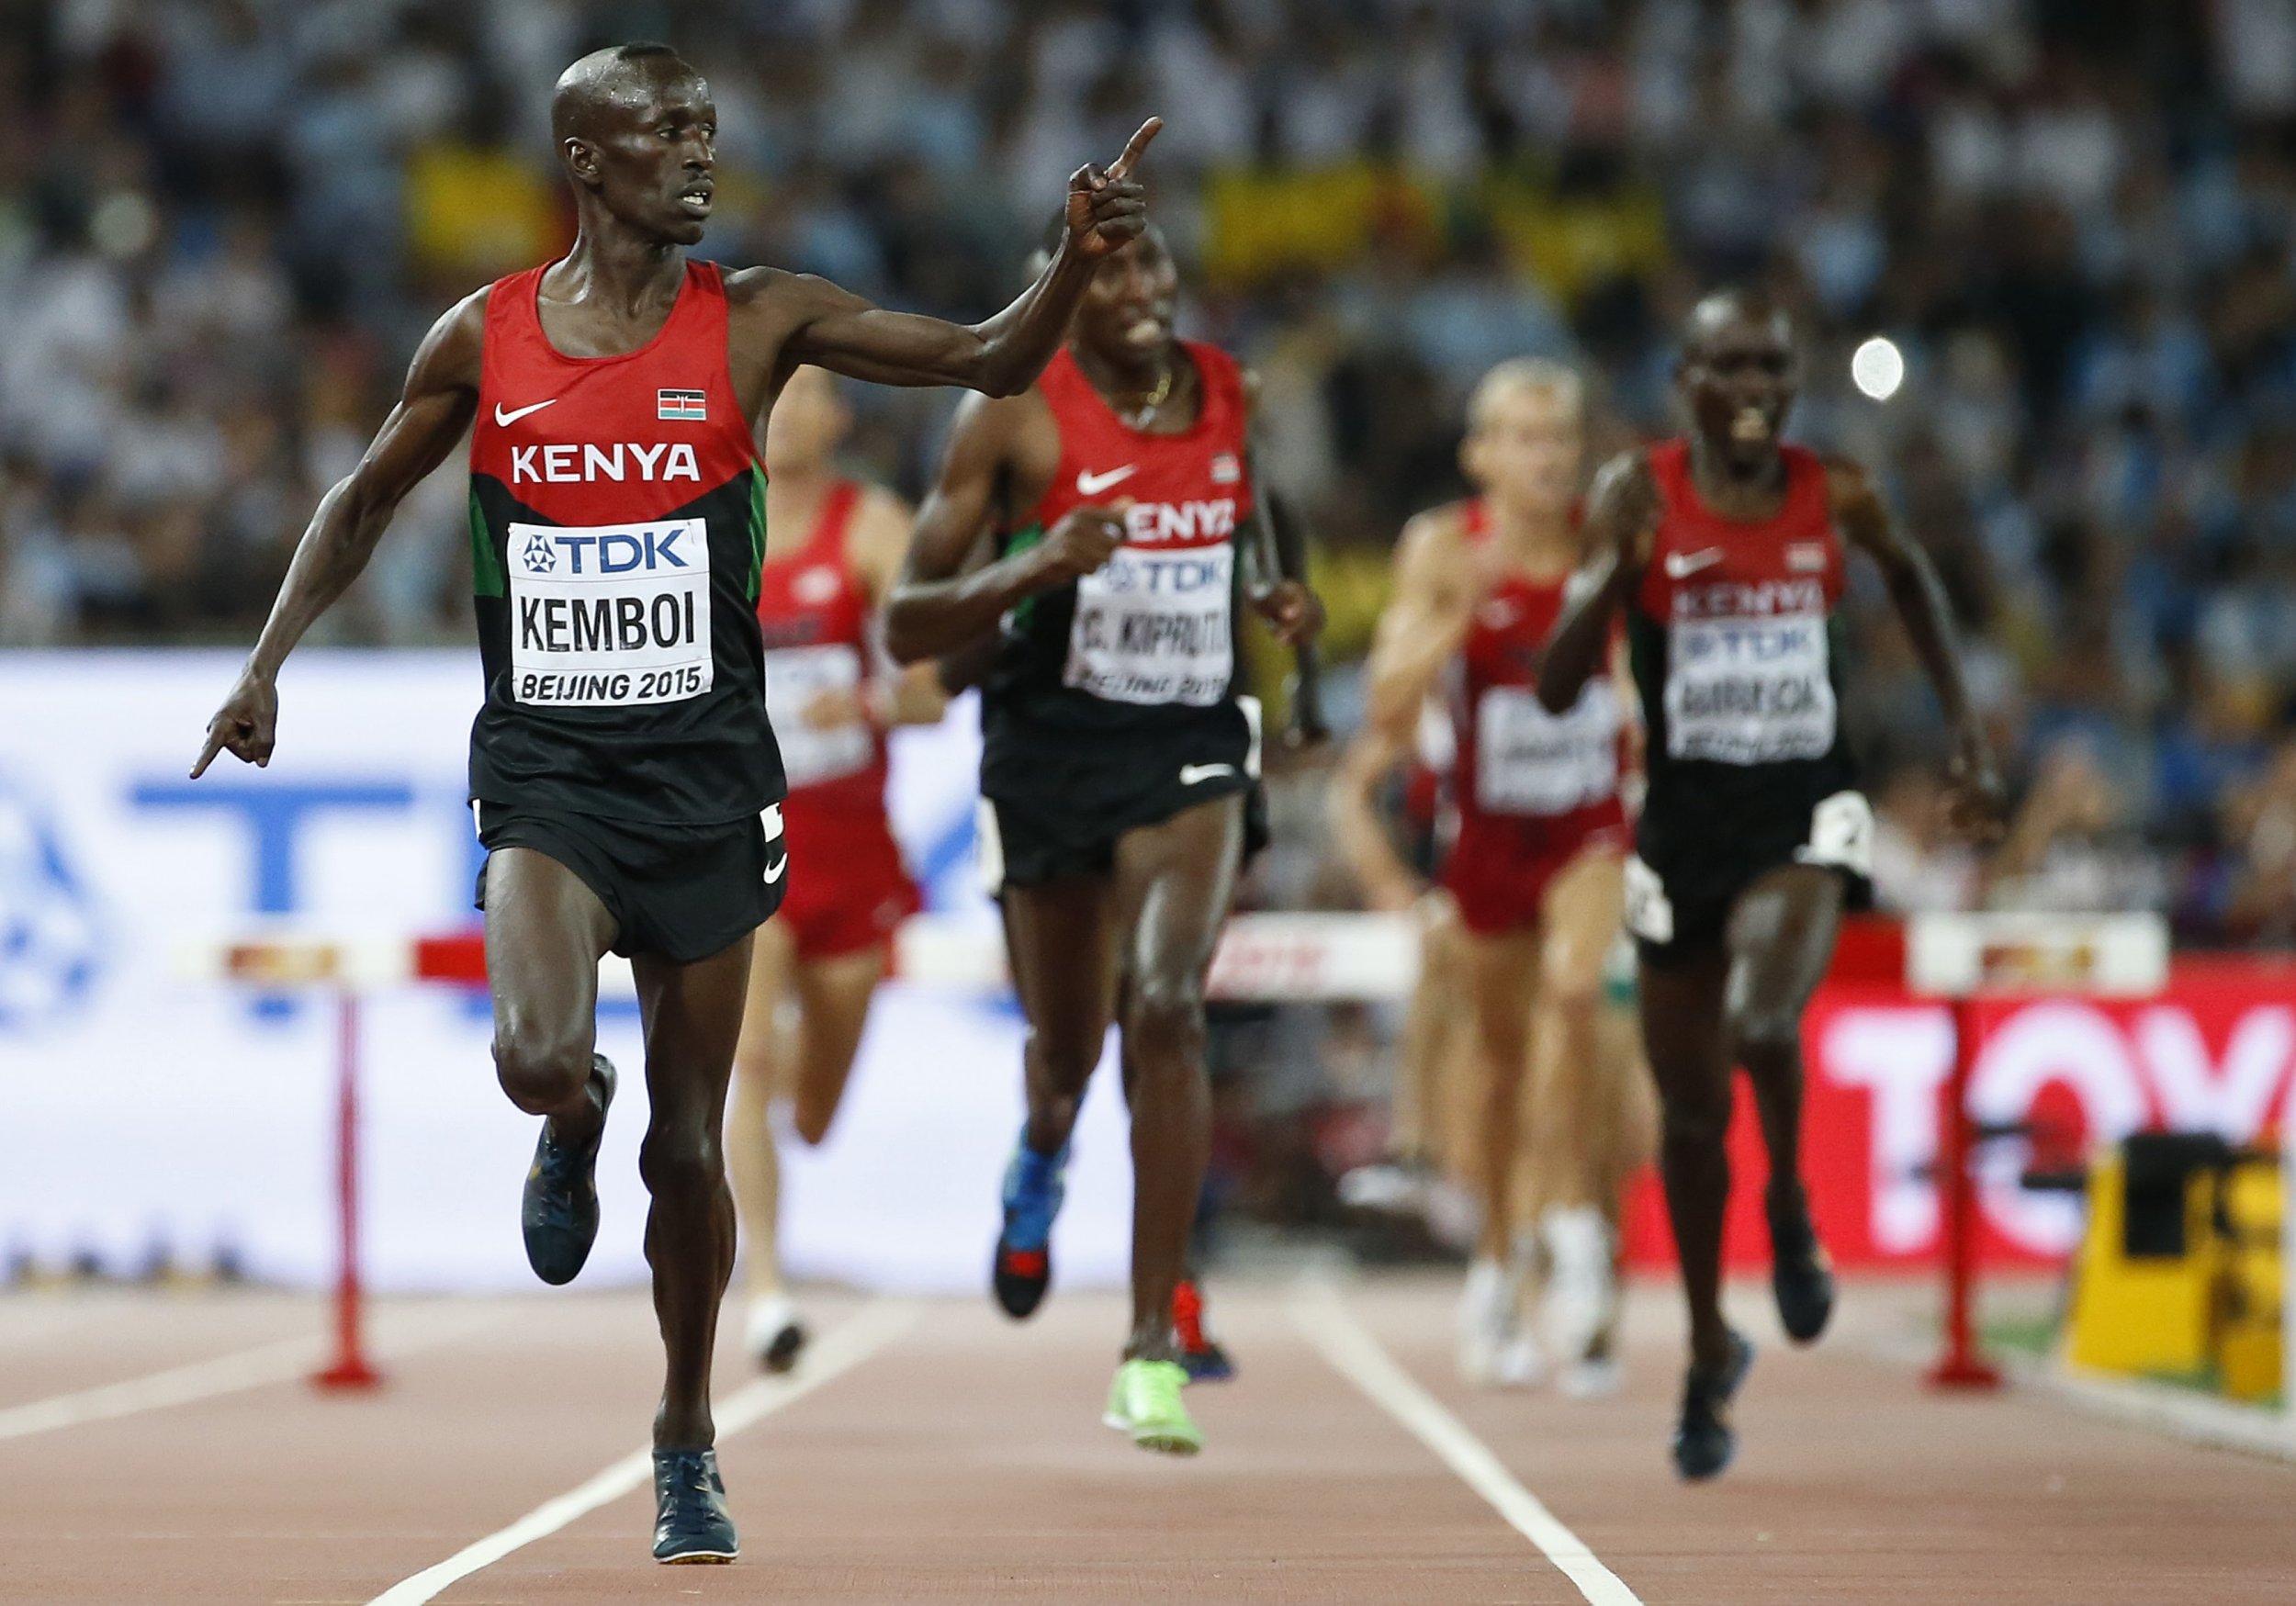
542	1067
1694	1121
1570	979
1163	1019
681	1157
1066	1053
1762	1031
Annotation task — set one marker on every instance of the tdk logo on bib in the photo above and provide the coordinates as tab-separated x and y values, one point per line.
1154	627
610	616
613	554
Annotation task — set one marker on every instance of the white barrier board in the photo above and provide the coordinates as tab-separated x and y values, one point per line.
142	1111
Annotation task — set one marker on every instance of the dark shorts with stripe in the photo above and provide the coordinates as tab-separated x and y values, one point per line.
680	892
1054	805
1679	902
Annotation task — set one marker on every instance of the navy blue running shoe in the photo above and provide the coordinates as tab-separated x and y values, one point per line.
1705	1441
690	1521
1201	1355
558	1215
1801	1275
1034	1186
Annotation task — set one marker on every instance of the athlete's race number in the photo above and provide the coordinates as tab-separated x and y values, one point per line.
798	678
1155	626
1749	690
610	616
1528	762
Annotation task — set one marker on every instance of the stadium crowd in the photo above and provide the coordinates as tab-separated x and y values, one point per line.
223	223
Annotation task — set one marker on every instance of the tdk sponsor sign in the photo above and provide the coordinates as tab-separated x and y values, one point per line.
613	553
610	616
50	938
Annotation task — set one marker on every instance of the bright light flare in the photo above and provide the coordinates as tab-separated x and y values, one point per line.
1877	368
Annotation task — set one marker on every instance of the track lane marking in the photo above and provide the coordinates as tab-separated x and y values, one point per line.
1327	1323
835	1352
230	1373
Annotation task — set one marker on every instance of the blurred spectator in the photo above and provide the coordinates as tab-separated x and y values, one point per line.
2259	903
2072	845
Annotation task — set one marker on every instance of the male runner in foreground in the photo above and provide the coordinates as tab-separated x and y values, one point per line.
1535	870
1116	755
833	550
623	774
1725	551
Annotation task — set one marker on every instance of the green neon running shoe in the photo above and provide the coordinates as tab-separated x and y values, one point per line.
1145	1401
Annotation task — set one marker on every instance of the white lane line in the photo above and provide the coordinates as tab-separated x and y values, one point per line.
220	1375
228	1374
1348	1346
836	1352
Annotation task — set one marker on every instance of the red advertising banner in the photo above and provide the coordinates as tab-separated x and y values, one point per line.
2213	1053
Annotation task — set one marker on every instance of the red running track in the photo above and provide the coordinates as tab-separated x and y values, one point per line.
963	1460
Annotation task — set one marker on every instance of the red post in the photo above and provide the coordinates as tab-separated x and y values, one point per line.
350	1369
1960	1366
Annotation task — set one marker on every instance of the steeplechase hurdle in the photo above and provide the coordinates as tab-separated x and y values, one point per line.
1963	961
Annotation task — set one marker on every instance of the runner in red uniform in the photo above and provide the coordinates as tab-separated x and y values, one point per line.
1725	550
1534	870
624	772
833	549
1117	757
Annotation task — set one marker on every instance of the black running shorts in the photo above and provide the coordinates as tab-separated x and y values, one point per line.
1056	805
680	892
1679	902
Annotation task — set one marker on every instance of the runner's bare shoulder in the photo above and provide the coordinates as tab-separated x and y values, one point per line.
454	352
1428	552
1014	435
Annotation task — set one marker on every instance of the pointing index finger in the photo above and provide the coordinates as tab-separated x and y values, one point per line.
206	753
1123	166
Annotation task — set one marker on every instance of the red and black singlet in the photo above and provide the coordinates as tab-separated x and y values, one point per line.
617	524
814	616
1736	656
1516	760
1149	638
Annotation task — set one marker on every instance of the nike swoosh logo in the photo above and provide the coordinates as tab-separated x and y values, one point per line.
502	418
1091	484
774	870
1192	773
1679	564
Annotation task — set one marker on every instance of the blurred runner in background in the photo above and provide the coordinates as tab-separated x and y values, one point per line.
833	549
1531	875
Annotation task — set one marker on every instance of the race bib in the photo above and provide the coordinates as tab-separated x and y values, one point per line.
794	679
1528	762
1749	690
610	616
1155	627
